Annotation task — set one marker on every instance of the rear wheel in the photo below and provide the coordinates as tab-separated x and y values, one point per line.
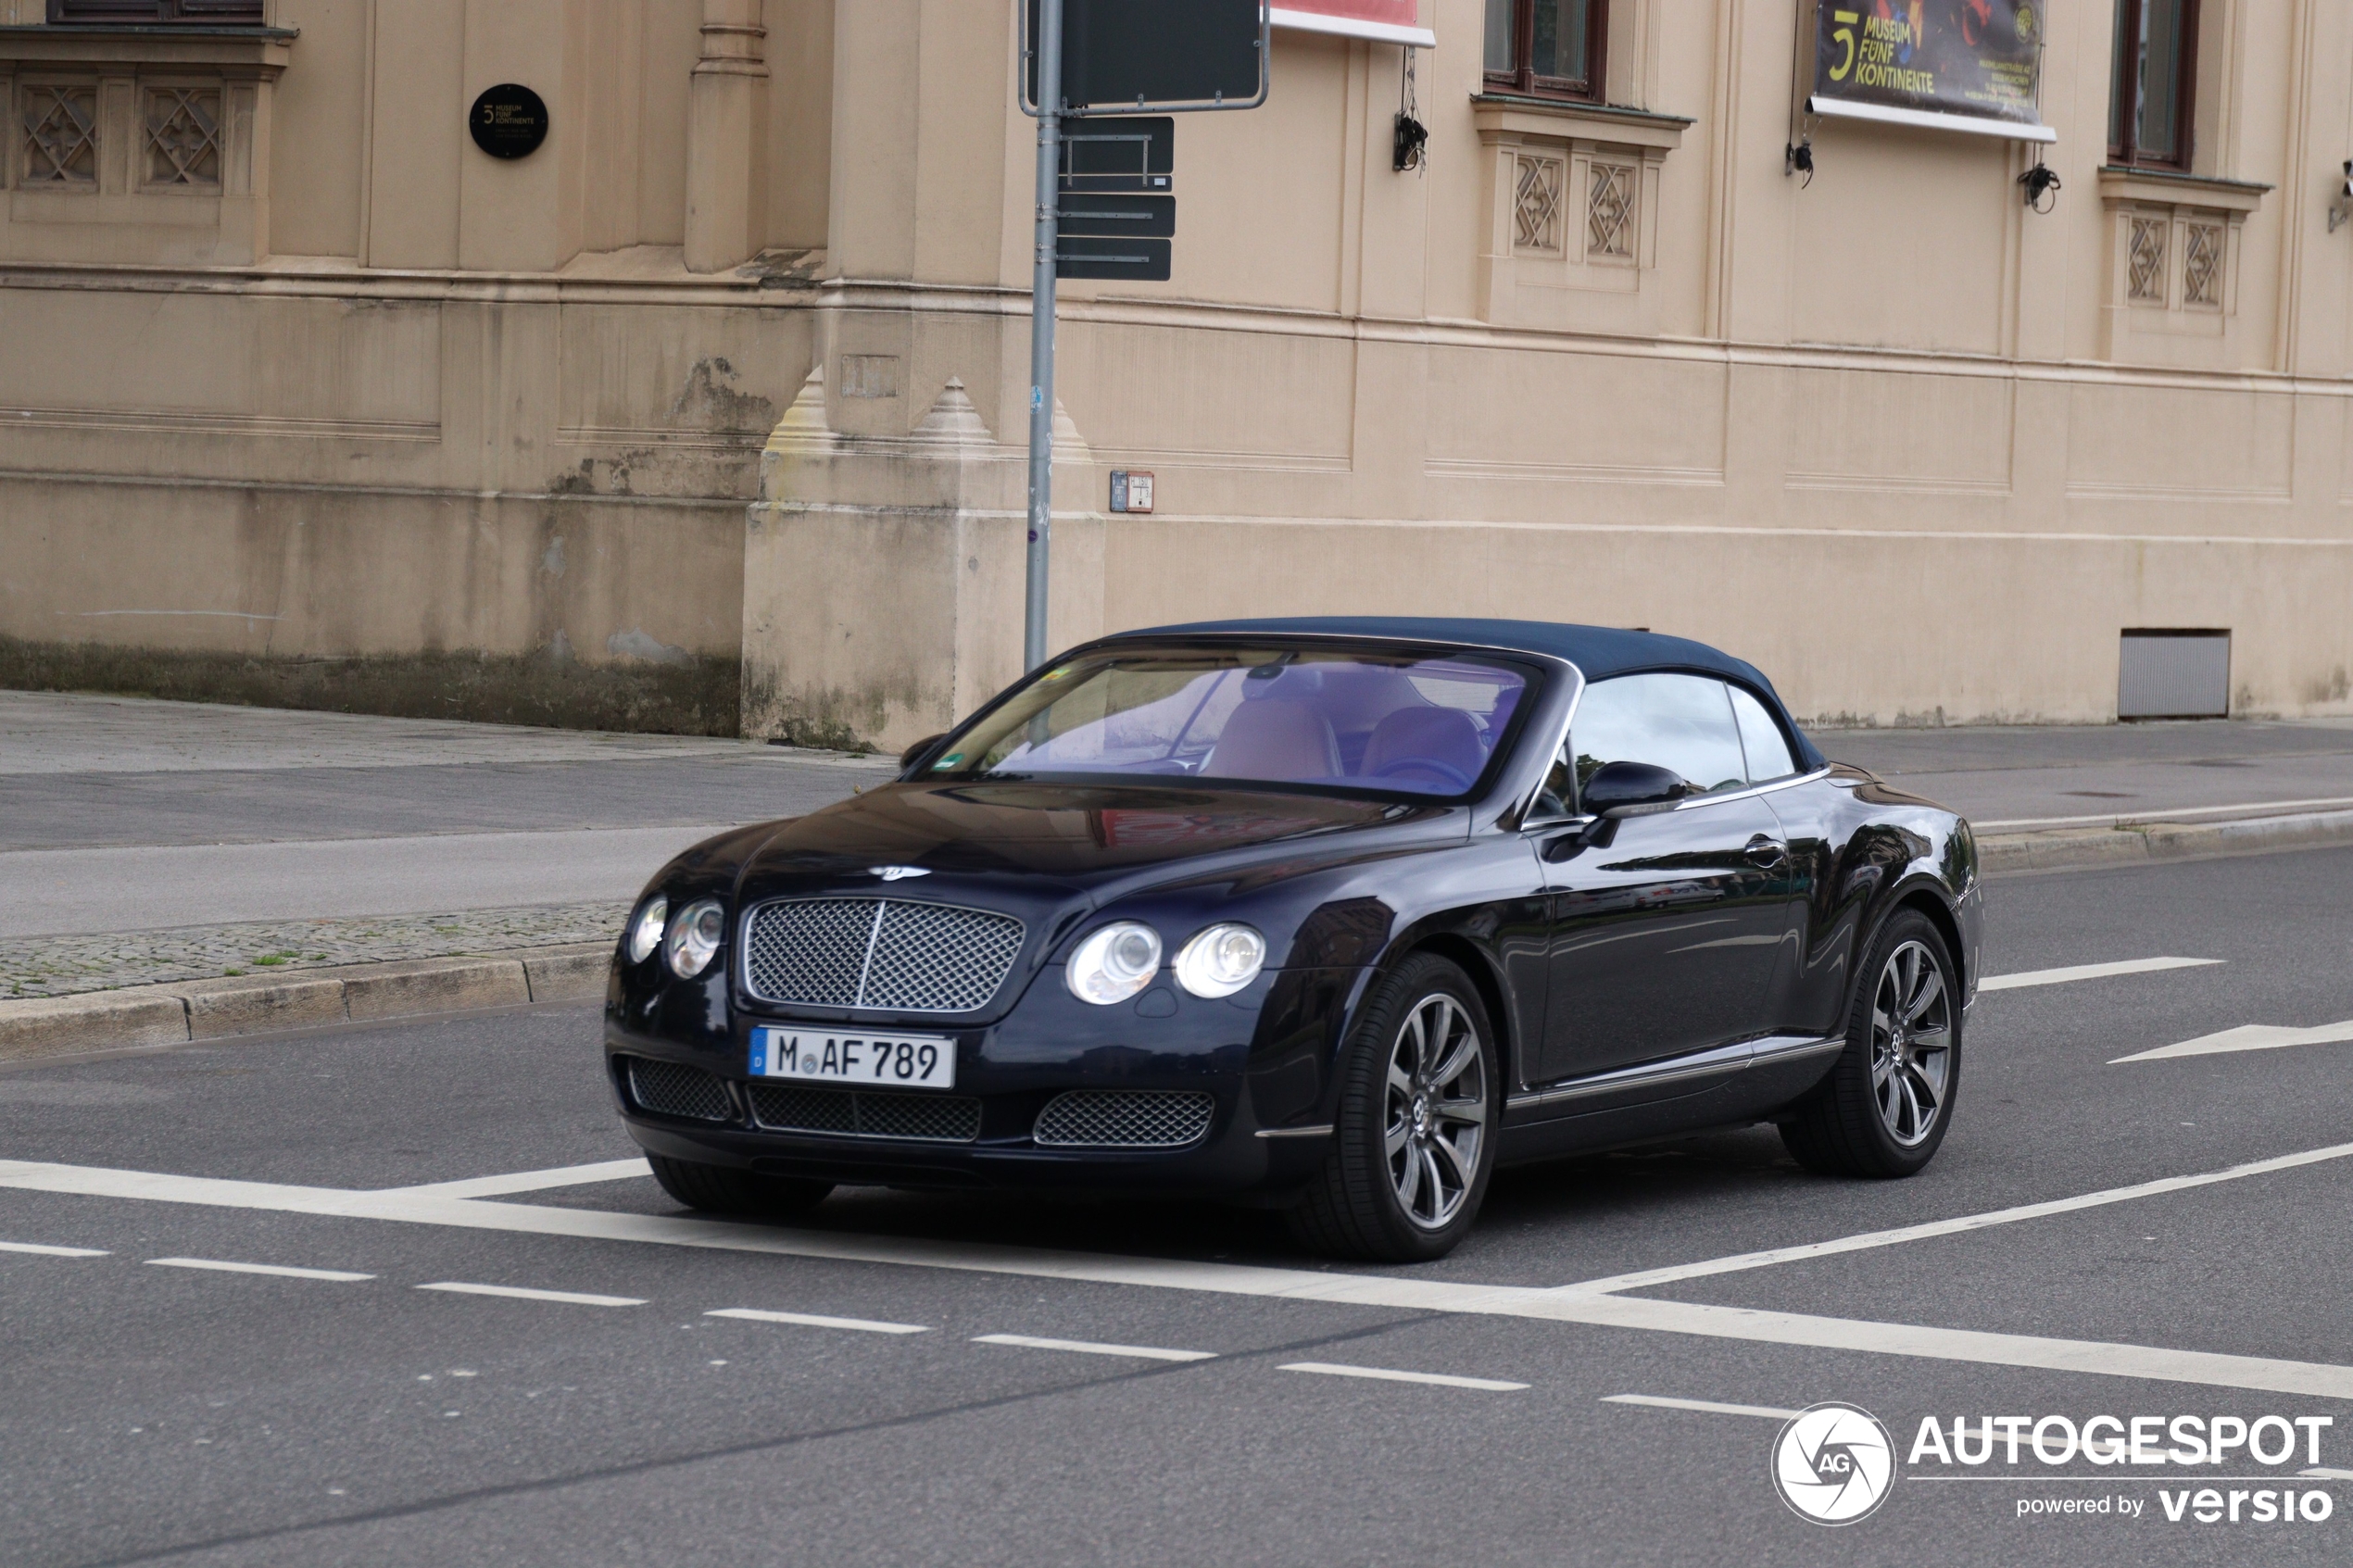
1885	1105
722	1189
1415	1142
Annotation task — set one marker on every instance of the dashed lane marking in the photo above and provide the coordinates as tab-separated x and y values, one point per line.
813	1320
1709	1407
281	1270
1384	1374
516	1292
1088	1347
532	1181
38	1251
2088	971
2323	1473
1591	1303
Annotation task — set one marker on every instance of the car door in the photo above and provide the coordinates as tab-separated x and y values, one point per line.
1665	927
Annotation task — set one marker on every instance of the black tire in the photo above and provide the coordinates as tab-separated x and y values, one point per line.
1843	1127
1354	1207
718	1190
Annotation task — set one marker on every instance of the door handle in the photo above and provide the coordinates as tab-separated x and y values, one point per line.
1765	854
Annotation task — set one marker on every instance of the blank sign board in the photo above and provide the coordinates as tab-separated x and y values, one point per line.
2174	675
1131	55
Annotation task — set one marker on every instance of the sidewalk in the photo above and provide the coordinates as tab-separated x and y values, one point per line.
153	842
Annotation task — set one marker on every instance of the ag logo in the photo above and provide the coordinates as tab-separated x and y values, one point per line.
1833	1463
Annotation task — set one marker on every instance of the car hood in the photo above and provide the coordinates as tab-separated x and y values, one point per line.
1045	839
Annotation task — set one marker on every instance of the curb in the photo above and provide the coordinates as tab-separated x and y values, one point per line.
2141	842
218	1010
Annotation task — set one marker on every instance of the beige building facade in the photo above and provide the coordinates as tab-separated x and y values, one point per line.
710	412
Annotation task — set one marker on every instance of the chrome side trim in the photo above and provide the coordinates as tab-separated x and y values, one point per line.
1694	802
1721	1061
1323	1131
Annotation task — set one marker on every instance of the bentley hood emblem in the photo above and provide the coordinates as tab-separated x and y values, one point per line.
897	874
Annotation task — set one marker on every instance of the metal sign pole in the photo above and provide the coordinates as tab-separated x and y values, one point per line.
1041	330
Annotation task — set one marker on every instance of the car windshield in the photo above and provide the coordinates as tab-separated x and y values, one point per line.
1345	718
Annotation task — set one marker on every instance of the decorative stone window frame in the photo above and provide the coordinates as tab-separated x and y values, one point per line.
1571	203
2174	244
182	155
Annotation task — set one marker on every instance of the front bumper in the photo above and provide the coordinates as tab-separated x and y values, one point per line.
1261	1058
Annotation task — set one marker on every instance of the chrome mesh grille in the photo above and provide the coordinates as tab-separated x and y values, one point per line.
857	1113
667	1088
885	953
1125	1118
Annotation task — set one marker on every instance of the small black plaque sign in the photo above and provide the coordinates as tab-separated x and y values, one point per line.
508	120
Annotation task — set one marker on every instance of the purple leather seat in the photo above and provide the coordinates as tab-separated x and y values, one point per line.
1445	735
1275	739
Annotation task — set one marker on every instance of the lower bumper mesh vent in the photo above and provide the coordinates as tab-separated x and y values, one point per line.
1125	1118
667	1088
857	1113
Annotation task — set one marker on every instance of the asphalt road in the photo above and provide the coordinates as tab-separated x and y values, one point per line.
153	1410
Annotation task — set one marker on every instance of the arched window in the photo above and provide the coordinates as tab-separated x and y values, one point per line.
2154	83
1548	48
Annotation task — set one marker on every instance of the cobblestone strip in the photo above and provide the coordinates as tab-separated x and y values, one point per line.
65	966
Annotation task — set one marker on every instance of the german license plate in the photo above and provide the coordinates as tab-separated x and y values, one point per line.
898	1061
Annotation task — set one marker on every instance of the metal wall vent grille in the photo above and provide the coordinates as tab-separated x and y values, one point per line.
667	1088
1125	1118
881	953
857	1113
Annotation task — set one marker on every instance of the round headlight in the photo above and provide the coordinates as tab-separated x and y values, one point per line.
694	935
1114	963
1221	961
645	930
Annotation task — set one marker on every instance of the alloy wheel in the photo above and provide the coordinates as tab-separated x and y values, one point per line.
1911	1044
1435	1111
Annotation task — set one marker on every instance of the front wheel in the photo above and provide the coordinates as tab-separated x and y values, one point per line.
1415	1142
722	1190
1885	1105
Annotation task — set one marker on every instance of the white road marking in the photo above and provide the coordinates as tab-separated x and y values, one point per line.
2322	1473
2246	1037
1335	1369
2160	814
2088	971
38	1251
1740	1263
811	1319
279	1269
517	1293
535	1181
1578	1304
1088	1347
1710	1406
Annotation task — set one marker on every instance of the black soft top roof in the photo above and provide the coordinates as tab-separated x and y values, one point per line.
1599	651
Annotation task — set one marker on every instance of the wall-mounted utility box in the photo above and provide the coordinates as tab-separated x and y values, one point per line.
2174	675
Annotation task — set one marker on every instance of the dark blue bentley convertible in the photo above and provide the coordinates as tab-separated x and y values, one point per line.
1332	914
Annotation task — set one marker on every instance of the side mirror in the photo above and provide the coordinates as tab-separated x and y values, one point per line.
1630	789
918	751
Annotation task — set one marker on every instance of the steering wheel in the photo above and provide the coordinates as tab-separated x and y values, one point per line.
1447	773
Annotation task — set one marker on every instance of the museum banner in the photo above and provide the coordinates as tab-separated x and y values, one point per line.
1955	65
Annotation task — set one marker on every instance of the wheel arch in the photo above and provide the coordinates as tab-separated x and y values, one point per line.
1465	955
1924	897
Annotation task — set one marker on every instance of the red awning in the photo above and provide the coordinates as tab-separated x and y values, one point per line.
1390	22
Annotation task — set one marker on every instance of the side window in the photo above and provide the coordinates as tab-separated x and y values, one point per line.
1681	722
1768	749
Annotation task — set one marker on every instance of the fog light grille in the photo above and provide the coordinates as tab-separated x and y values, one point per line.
1125	1118
669	1089
857	1113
